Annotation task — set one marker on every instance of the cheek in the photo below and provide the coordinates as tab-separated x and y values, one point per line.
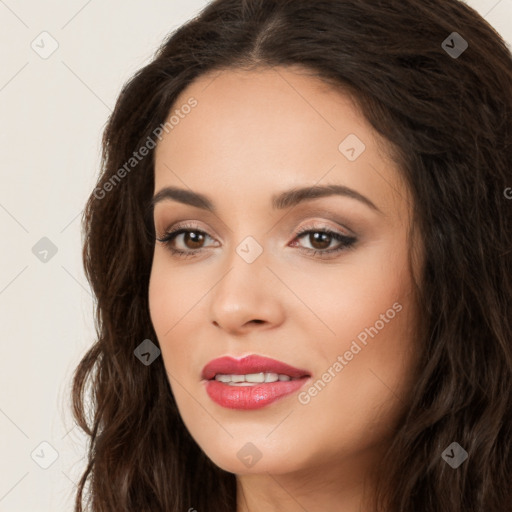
160	301
166	306
169	294
359	399
380	319
352	296
174	303
372	313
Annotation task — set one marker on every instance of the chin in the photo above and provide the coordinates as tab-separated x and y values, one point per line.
244	458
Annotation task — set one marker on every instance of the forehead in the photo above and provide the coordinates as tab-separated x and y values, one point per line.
271	128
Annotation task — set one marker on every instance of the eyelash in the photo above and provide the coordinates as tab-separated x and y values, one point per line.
347	242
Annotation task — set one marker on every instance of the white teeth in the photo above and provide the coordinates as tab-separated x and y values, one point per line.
251	378
254	377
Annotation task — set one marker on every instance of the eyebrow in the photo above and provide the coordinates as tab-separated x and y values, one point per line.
280	201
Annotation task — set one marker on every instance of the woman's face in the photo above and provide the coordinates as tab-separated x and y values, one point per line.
341	311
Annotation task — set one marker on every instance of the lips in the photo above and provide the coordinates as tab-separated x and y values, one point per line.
248	365
251	396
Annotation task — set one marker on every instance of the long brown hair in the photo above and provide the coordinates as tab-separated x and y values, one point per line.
446	110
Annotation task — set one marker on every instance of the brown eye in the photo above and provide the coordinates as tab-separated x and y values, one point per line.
186	239
320	240
193	242
193	239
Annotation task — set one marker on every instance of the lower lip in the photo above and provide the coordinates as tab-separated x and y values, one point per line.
251	397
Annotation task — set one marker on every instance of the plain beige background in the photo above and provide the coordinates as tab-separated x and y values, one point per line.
53	109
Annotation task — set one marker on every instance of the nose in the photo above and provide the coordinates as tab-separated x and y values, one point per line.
248	297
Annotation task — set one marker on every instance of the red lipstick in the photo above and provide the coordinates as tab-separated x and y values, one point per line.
251	382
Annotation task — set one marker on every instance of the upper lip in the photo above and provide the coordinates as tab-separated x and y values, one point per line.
249	364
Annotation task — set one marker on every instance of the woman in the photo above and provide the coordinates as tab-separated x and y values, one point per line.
300	245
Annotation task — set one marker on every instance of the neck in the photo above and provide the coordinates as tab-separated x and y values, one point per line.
317	489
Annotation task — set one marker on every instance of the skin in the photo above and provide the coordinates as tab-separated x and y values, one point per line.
254	134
